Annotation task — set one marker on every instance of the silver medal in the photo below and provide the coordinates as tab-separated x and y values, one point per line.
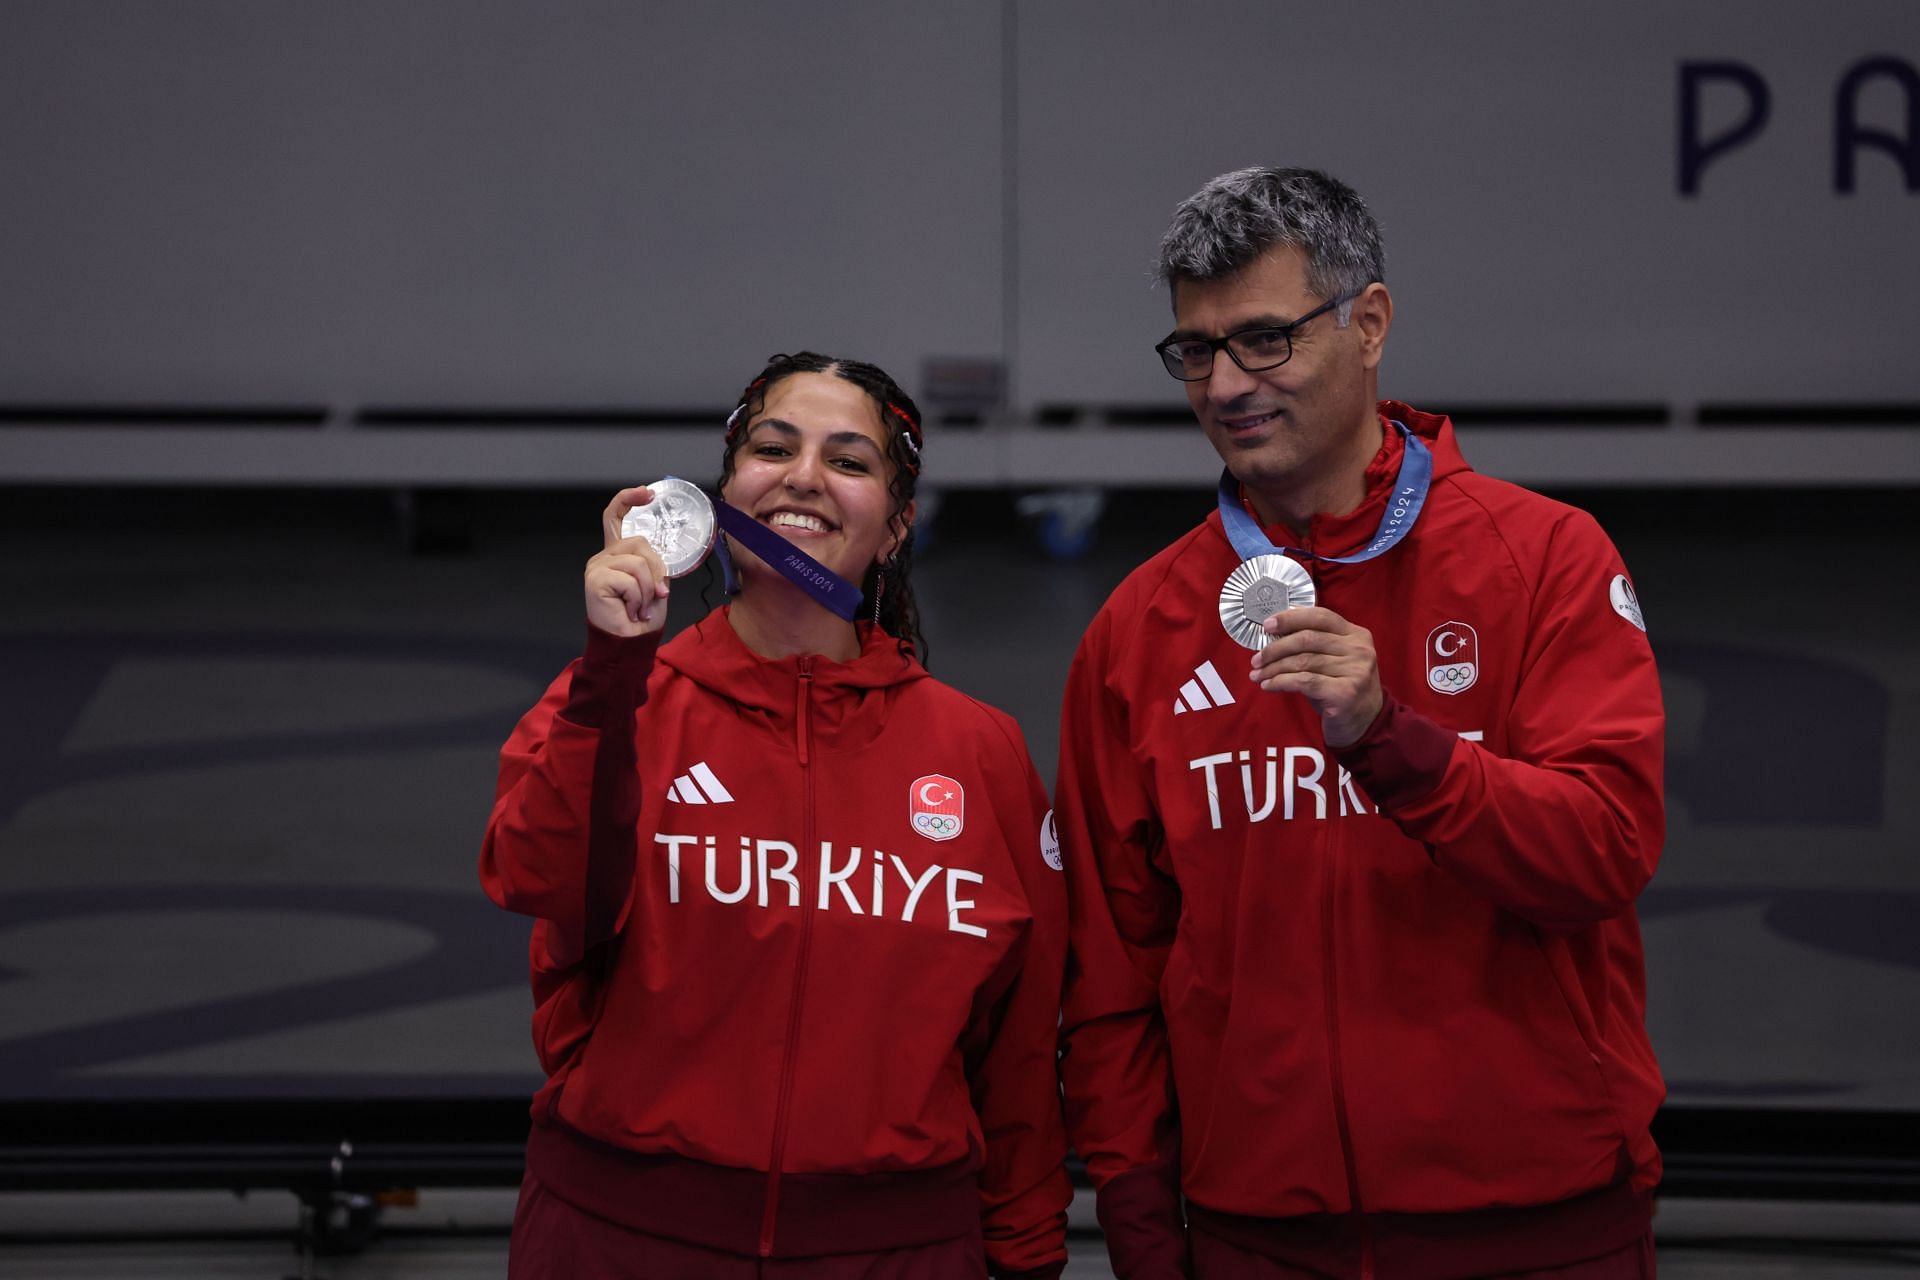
678	522
1258	589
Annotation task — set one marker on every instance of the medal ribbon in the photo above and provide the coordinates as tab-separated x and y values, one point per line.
1403	508
827	588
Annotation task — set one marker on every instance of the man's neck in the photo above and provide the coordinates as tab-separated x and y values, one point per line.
1340	490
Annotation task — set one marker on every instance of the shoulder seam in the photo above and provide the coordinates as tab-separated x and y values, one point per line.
1000	719
1493	522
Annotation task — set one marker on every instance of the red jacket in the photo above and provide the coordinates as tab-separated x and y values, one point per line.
1339	989
794	921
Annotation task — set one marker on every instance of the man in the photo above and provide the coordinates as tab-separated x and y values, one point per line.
1356	970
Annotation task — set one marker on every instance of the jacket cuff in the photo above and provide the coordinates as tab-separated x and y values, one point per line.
1146	1232
610	670
1402	756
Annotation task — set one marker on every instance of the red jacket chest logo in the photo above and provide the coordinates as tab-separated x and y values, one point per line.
1453	657
936	806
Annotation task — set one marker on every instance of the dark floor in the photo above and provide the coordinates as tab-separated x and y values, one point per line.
462	1236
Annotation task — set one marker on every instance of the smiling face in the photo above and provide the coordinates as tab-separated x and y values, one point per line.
1298	436
812	465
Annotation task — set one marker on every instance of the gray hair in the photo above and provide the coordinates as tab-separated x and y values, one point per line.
1234	219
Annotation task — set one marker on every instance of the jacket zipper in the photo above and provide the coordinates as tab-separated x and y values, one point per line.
1339	1074
1327	915
803	745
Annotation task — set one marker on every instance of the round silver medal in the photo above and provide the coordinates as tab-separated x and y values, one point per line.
1258	589
678	522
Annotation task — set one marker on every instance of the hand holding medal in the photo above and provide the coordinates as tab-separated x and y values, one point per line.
665	530
1327	660
626	581
1268	605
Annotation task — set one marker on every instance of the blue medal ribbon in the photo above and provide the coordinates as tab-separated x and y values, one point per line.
826	587
1403	508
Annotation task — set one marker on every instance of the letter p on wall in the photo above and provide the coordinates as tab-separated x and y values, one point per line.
1884	76
1695	152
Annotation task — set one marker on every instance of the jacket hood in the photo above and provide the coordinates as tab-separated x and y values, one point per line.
1434	428
849	698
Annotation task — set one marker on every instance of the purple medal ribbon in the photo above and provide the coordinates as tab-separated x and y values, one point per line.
827	588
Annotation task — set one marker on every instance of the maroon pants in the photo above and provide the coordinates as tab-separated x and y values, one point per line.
553	1240
1215	1259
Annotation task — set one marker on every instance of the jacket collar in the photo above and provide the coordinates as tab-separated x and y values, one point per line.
849	698
1337	535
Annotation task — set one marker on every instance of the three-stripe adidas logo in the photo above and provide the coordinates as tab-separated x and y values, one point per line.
698	786
1194	694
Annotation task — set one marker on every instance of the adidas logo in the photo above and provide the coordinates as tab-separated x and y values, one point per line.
1206	684
698	786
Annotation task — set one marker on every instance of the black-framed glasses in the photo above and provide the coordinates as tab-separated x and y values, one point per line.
1254	350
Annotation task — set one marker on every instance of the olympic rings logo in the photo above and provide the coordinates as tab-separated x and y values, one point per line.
936	823
1449	675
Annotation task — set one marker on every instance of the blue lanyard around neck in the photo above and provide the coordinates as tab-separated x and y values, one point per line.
1403	508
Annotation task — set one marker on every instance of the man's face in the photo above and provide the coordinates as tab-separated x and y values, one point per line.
1289	429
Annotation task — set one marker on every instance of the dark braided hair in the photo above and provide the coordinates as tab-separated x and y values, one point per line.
899	615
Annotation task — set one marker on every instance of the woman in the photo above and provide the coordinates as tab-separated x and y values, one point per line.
798	939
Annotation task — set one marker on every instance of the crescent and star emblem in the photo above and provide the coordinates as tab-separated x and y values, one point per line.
1440	644
933	799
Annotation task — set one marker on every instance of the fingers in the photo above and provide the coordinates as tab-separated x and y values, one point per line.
1324	666
638	564
1315	687
1314	651
1321	656
1356	640
614	598
626	581
616	513
641	564
1289	621
643	551
1302	642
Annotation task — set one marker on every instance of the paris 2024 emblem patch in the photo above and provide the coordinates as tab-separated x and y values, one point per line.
1625	603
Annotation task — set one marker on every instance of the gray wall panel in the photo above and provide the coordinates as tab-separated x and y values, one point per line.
1522	160
478	202
501	203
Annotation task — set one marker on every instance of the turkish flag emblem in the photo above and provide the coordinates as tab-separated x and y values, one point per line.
936	806
1453	657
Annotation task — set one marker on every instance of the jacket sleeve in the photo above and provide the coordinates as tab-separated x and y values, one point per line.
560	841
1566	827
1015	1078
1123	912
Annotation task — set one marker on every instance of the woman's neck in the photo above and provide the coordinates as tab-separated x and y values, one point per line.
775	619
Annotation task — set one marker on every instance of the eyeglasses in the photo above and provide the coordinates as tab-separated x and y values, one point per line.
1254	350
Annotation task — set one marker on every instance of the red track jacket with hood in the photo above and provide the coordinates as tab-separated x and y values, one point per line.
795	920
1340	999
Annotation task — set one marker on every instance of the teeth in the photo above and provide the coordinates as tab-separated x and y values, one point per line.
794	520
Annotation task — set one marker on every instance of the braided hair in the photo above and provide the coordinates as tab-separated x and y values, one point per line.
891	584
